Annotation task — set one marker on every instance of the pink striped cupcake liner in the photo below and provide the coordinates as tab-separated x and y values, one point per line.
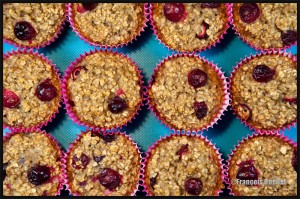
62	177
46	59
89	41
77	140
154	145
245	60
220	73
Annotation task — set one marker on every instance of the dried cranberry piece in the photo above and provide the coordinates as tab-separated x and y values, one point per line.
197	78
289	37
247	171
89	6
290	100
263	73
10	99
38	174
244	111
200	109
210	5
153	181
104	136
24	31
117	104
193	186
249	12
294	160
174	11
182	150
76	71
4	170
45	91
84	159
99	158
109	178
82	184
202	34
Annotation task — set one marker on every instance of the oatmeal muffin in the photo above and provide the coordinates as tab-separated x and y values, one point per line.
31	164
264	165
32	24
189	26
264	91
31	90
109	24
187	93
103	164
266	25
181	165
102	89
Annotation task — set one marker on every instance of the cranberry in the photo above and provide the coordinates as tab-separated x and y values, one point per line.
200	109
193	186
119	92
290	100
294	160
24	31
45	91
263	73
84	161
182	150
244	111
89	6
4	170
247	171
153	182
202	34
289	37
82	184
210	5
76	71
104	136
109	178
174	11
98	158
38	174
10	99
249	12
117	104
197	78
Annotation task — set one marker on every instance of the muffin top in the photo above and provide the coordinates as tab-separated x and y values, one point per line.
266	25
108	23
264	91
264	158
31	165
183	166
189	26
104	89
31	90
103	164
32	24
186	93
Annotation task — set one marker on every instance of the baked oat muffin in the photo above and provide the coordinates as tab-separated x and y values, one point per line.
264	91
100	164
108	24
32	24
183	166
31	90
103	89
266	25
189	26
187	93
31	165
268	162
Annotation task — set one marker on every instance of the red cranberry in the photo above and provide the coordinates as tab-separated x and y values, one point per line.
193	186
174	11
294	160
45	91
263	73
117	104
210	5
10	99
104	136
84	161
200	109
153	182
247	171
290	100
202	34
182	150
38	174
24	31
98	158
197	78
249	12
82	184
89	6
244	111
4	170
289	37
109	178
76	71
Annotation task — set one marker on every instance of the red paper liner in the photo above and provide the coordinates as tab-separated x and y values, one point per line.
69	108
30	51
246	60
46	43
62	176
224	85
89	41
78	138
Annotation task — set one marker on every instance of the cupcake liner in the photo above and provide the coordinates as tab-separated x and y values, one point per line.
46	43
154	145
231	22
224	85
245	60
254	134
69	108
195	51
78	138
82	37
44	58
62	180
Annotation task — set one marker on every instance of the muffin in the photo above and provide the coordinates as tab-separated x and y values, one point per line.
103	164
31	90
102	89
264	165
31	164
266	25
109	24
188	93
32	24
189	26
181	165
264	91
